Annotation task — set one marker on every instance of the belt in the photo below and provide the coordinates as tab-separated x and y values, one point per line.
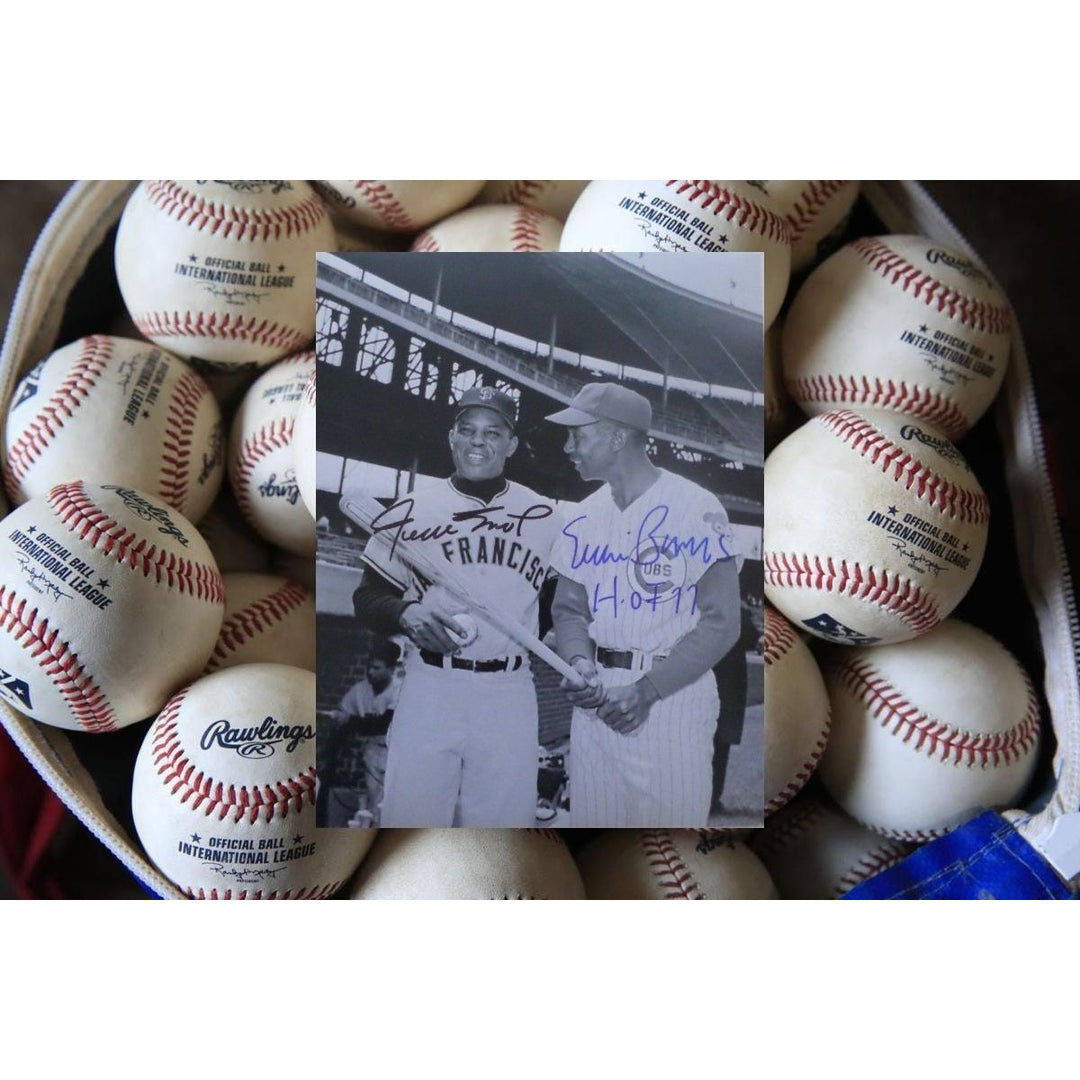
439	660
630	659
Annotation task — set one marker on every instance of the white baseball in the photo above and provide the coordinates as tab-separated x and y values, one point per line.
261	464
303	445
109	601
875	527
468	630
672	864
816	212
696	216
468	864
112	410
556	197
796	711
268	619
223	791
927	733
814	851
223	271
902	323
492	228
401	206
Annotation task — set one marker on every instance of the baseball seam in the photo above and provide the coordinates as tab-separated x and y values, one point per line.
962	504
383	201
211	324
426	241
802	774
811	201
213	797
523	192
893	593
936	738
671	873
525	229
258	617
88	703
780	637
871	863
894	268
742	212
780	833
77	511
234	222
310	892
180	420
69	395
277	435
914	401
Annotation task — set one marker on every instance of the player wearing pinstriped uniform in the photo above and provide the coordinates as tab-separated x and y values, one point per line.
464	745
647	602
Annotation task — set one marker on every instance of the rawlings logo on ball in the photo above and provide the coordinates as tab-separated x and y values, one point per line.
942	446
258	741
148	511
963	266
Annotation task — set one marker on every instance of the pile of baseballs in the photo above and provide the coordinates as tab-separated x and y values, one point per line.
156	567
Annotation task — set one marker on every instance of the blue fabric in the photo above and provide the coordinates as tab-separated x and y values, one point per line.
984	859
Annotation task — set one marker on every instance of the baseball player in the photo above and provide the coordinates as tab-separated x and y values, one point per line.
646	603
464	746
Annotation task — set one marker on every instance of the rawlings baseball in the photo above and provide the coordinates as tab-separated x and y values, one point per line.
109	601
401	206
796	711
261	463
111	410
555	197
303	445
816	212
223	791
927	733
492	228
814	851
672	864
468	864
223	271
875	527
694	216
901	323
268	619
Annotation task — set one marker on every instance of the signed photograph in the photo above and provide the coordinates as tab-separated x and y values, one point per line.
539	510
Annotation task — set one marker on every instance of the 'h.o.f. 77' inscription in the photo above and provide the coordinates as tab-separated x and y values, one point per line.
256	740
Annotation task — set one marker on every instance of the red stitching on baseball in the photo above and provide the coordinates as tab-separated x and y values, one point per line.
667	867
234	222
811	201
915	401
69	395
889	591
88	704
724	203
780	832
960	503
873	862
383	201
227	327
213	797
275	436
91	524
525	229
894	268
523	192
311	892
780	636
180	420
259	616
426	241
936	738
803	774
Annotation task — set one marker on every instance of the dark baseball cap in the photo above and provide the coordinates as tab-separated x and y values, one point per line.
486	397
606	401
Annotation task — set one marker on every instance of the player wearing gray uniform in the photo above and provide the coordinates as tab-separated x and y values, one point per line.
647	602
464	745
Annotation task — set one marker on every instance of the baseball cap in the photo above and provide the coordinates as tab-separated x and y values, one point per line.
486	397
606	401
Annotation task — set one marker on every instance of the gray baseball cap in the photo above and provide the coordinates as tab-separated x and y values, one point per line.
487	397
606	401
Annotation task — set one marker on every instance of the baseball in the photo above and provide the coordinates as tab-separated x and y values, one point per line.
223	791
814	851
927	733
111	410
468	629
109	601
696	216
796	712
261	465
303	445
555	197
268	619
493	228
468	864
401	206
901	323
223	271
816	212
672	864
875	527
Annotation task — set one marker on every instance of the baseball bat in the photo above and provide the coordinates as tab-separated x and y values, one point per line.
363	510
